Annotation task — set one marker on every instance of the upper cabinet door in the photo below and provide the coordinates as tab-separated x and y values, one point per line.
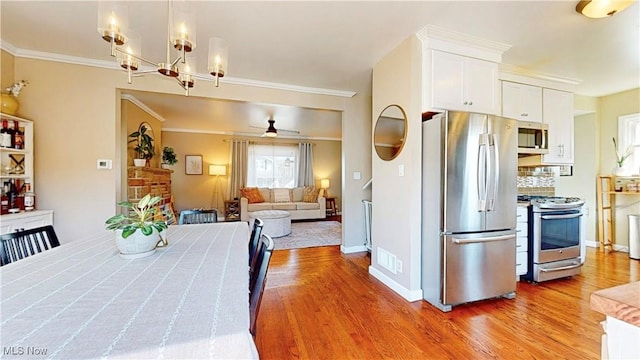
482	86
558	113
447	81
521	102
463	83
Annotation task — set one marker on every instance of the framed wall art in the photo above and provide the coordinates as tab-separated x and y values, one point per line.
193	164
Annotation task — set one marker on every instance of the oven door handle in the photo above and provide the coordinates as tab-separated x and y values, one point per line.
552	217
568	267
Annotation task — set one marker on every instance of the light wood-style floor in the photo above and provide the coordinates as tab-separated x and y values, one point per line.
321	304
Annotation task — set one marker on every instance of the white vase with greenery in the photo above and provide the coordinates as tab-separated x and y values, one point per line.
621	169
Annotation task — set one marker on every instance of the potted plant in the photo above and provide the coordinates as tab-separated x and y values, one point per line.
168	157
144	146
620	170
137	233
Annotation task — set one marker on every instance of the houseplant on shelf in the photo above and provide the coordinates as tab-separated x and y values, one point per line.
620	169
168	157
137	233
144	146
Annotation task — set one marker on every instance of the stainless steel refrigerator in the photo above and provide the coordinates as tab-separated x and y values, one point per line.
469	195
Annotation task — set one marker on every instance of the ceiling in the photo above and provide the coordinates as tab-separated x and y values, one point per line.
334	46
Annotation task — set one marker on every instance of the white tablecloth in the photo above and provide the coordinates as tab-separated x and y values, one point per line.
81	300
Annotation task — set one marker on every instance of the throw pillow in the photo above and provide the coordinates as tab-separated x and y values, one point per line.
266	194
281	195
252	194
297	194
310	194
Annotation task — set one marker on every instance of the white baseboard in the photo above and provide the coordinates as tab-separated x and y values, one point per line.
616	247
353	249
409	295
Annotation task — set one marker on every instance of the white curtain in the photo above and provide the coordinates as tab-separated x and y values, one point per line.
238	167
305	165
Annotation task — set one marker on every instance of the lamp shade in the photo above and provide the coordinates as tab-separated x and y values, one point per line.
218	170
324	183
601	8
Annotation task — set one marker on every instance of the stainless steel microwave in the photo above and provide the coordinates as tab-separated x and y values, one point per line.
533	138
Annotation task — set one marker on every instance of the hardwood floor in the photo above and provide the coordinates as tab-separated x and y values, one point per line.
321	304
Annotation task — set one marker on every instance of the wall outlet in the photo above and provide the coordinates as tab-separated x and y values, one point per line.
401	170
399	266
356	175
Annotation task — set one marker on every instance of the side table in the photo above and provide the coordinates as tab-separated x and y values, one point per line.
232	210
331	206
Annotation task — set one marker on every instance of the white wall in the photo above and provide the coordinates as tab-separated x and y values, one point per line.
396	211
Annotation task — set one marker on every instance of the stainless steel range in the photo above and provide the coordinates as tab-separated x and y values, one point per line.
556	233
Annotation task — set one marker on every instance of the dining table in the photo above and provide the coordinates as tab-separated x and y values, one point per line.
81	300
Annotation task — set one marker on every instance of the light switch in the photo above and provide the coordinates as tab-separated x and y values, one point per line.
401	170
356	175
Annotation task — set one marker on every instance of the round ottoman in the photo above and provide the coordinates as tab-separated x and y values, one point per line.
277	223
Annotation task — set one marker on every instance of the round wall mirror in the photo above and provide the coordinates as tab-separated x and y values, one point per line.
390	131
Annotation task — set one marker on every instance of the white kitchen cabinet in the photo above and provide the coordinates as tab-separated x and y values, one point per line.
522	241
25	220
557	112
463	83
521	102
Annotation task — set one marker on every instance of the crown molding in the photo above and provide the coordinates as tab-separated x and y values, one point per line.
431	32
519	70
256	135
142	106
39	55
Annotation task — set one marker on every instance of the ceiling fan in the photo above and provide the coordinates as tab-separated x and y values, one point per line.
271	130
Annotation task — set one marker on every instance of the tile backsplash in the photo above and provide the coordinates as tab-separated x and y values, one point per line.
537	180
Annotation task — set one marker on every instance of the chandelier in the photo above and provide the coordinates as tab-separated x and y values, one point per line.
113	26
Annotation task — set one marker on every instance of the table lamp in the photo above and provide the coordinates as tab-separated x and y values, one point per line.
324	184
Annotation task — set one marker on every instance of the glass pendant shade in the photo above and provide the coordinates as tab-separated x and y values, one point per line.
218	57
188	71
113	22
130	52
183	31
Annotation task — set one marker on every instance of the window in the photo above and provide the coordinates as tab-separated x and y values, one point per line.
629	138
272	166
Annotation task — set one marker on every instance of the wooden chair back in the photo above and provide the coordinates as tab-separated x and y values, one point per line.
258	224
19	245
258	279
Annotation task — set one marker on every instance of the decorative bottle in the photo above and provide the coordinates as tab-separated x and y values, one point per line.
18	136
6	135
29	198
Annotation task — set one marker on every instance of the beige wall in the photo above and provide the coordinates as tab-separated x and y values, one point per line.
396	199
78	121
7	69
609	108
195	191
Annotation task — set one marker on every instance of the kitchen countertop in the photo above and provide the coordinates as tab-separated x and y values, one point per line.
620	302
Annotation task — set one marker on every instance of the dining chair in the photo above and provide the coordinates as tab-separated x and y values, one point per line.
258	224
21	244
259	279
198	217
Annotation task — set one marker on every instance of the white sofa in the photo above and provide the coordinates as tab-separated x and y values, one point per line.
295	206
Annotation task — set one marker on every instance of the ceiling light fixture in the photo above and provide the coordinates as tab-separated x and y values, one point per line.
271	130
601	8
113	26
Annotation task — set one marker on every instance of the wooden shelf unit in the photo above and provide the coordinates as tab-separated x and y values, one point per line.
605	199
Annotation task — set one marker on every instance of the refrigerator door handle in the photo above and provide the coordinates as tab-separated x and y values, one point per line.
483	240
495	172
482	183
